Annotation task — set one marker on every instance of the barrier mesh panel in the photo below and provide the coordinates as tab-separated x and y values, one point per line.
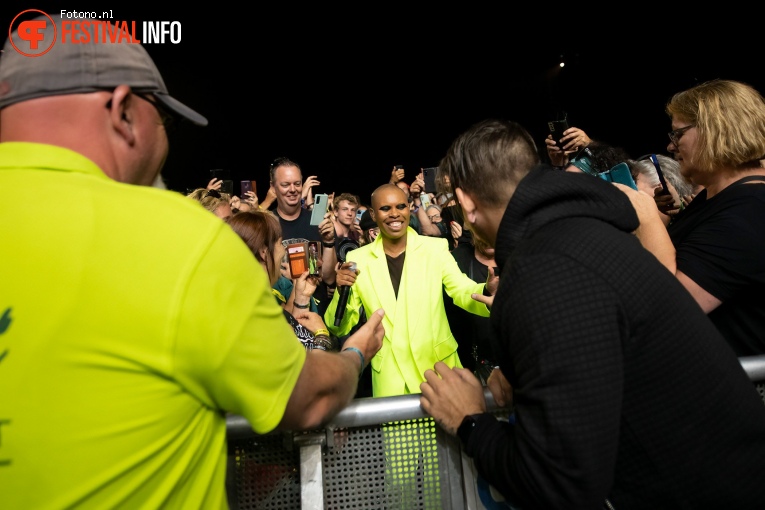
266	475
394	465
389	466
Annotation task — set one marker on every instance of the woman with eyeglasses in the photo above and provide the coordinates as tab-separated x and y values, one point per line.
716	245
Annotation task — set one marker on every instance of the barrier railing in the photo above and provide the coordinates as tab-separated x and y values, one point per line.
377	453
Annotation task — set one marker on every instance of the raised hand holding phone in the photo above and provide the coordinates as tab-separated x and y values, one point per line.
320	207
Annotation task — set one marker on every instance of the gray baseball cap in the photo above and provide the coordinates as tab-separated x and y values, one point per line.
72	68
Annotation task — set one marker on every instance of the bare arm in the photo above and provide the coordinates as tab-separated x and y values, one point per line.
328	380
328	254
652	233
269	200
428	227
706	301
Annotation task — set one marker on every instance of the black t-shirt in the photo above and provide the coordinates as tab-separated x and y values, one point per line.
720	244
473	332
300	228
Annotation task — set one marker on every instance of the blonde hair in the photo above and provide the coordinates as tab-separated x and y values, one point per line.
208	198
730	118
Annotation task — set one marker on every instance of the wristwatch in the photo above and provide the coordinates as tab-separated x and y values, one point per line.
466	428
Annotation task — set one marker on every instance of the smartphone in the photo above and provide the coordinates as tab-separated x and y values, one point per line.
663	182
245	187
359	214
425	201
297	256
621	174
227	185
399	167
313	258
320	203
430	178
556	128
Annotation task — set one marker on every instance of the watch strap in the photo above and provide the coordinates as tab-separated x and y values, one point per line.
465	430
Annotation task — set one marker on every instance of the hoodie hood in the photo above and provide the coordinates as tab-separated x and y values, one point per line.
547	195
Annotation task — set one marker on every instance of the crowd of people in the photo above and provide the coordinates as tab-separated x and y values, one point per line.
607	309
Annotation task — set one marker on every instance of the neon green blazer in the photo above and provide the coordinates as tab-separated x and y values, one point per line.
417	331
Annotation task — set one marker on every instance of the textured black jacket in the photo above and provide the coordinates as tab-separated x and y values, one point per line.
623	388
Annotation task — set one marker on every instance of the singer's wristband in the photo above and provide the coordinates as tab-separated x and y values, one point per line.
320	332
361	370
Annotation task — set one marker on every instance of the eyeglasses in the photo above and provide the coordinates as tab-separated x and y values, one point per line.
435	218
674	136
165	116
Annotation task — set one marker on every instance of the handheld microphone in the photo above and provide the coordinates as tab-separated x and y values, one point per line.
342	301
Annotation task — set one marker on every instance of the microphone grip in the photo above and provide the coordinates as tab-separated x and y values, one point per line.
342	300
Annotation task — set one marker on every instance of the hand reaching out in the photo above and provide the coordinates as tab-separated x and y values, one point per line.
310	320
215	184
450	394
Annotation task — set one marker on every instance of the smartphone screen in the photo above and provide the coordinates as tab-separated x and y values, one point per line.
245	187
313	258
320	202
359	214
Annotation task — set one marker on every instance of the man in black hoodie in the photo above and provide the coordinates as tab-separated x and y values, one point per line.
624	393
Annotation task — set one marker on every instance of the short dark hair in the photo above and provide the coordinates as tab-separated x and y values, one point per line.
489	160
281	161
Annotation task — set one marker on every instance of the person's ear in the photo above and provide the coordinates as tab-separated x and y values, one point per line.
263	253
467	204
122	114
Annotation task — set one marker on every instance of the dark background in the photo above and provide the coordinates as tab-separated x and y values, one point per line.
348	94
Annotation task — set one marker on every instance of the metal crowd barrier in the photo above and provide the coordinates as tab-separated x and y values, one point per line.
378	453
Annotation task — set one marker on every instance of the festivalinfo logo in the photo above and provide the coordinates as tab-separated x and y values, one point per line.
27	32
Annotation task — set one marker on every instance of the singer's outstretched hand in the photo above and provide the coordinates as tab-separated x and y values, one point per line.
345	275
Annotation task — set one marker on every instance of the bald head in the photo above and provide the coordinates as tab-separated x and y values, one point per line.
383	190
390	210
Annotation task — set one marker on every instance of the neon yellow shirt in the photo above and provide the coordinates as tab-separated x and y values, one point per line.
134	319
